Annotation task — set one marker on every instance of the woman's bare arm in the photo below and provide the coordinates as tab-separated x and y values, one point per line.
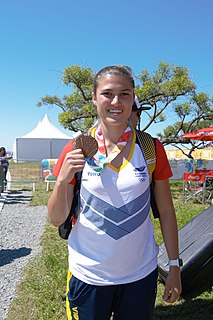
169	230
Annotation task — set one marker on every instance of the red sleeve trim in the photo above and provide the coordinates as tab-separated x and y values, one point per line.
68	147
163	170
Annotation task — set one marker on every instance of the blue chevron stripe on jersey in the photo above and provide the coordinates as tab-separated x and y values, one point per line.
116	222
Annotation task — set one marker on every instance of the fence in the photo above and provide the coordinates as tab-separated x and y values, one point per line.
21	174
179	166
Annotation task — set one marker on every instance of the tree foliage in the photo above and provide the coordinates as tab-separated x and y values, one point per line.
192	115
78	111
167	90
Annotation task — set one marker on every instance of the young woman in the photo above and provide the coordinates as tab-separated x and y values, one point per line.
112	251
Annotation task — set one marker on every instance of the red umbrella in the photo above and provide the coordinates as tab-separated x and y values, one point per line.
205	134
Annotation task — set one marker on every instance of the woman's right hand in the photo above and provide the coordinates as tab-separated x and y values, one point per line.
60	200
73	162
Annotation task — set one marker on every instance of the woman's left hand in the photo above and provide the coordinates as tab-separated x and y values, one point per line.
173	286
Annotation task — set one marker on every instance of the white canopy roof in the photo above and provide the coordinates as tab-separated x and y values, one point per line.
45	129
43	142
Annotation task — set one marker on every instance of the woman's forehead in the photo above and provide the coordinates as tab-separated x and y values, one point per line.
114	82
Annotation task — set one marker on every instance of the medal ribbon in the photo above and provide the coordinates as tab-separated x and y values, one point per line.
100	159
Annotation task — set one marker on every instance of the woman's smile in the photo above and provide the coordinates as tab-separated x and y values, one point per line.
114	111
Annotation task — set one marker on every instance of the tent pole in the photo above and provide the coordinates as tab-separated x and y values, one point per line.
51	149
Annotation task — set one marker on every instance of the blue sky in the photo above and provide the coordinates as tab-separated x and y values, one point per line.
40	38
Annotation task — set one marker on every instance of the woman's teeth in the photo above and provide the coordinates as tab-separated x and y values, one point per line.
115	111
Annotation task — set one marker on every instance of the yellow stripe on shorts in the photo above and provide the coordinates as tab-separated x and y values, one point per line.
69	316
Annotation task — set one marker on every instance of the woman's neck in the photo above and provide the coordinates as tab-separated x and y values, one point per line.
113	133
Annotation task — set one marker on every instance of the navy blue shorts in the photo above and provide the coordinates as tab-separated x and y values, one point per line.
129	301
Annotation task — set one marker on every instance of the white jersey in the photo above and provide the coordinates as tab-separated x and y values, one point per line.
112	241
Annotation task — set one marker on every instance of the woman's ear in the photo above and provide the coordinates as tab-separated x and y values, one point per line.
94	99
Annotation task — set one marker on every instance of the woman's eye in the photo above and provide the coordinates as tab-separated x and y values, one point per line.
111	95
108	94
125	93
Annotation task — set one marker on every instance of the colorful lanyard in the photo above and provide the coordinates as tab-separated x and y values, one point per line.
100	159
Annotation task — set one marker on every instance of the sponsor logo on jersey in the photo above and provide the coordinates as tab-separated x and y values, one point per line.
93	174
140	174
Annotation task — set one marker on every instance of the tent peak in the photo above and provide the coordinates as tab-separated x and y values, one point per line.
46	117
46	129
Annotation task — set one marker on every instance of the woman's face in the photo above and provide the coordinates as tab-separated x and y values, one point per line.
114	98
2	151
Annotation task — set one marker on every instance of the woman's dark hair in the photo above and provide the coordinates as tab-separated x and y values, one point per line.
2	151
113	70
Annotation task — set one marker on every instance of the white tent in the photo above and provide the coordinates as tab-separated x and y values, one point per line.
45	141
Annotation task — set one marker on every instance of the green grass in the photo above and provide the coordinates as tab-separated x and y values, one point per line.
41	293
40	196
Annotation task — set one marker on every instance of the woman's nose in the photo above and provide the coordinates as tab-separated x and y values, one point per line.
115	99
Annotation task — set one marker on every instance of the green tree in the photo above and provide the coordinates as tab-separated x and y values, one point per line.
77	109
168	89
165	86
161	89
194	114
